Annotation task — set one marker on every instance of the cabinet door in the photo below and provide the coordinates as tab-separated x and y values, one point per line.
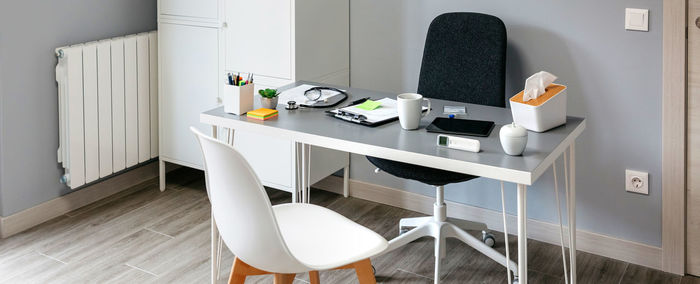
206	9
258	37
188	86
271	158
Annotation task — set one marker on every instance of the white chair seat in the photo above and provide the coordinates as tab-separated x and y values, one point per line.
323	239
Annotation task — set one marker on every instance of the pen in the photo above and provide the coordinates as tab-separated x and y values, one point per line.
230	79
362	100
238	78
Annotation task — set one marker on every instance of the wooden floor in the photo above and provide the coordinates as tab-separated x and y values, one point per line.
142	235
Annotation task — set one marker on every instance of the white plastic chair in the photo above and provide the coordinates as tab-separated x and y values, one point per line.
284	239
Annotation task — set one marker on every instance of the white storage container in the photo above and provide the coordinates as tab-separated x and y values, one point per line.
238	99
543	113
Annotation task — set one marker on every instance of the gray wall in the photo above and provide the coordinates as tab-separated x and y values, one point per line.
614	79
29	32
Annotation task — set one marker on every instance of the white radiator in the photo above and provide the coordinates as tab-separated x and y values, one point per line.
108	106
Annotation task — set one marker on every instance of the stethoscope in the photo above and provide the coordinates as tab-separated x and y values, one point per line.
314	94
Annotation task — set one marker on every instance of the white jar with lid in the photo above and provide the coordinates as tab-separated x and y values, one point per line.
513	139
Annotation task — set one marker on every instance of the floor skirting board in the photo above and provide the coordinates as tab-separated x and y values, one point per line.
28	218
628	251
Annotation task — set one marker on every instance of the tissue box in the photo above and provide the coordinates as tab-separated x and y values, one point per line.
238	99
543	113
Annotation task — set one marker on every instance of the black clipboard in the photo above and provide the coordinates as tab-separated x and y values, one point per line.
358	119
349	116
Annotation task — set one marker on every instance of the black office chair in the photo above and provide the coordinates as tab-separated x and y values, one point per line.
464	60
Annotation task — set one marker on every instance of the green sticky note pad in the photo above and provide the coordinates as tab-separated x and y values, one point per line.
369	105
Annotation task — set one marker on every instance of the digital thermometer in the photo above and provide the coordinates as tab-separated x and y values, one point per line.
459	143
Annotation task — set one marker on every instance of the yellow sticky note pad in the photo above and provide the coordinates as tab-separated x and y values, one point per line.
369	105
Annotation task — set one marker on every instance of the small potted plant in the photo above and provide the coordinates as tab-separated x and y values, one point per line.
268	98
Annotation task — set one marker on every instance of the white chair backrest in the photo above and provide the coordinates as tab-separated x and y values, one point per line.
242	210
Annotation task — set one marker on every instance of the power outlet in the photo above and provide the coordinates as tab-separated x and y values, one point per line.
637	182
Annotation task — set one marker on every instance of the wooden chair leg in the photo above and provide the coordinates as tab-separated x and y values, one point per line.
284	278
238	272
364	271
241	270
314	278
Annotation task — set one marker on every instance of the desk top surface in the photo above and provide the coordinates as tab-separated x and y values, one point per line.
390	141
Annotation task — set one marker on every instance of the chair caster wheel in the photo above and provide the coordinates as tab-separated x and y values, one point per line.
403	231
488	239
515	280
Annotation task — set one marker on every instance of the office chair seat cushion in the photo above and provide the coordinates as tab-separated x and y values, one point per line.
423	174
323	239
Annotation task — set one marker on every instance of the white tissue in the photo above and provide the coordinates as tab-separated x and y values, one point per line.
536	84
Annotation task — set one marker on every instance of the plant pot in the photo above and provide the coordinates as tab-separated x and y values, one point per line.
270	103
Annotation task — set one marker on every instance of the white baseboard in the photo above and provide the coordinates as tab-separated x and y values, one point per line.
48	210
624	250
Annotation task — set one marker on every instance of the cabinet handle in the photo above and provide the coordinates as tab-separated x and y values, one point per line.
224	25
218	100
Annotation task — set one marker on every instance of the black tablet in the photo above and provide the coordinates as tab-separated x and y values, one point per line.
468	127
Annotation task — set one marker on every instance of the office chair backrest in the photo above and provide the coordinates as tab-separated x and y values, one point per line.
242	210
465	59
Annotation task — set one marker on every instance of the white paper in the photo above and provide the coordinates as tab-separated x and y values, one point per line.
297	94
537	83
385	111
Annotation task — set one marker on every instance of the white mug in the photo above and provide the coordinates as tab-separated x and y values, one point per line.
411	110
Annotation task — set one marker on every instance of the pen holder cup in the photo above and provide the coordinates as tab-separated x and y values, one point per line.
238	99
543	113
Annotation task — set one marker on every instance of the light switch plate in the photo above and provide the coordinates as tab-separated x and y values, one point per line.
637	19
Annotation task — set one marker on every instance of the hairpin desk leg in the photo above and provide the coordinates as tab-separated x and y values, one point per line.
305	173
522	234
571	206
215	256
302	186
346	178
296	194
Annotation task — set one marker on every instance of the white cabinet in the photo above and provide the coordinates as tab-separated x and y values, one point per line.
272	155
280	41
188	86
256	28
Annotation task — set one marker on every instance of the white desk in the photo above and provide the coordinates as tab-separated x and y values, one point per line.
311	127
